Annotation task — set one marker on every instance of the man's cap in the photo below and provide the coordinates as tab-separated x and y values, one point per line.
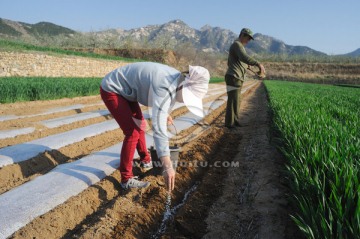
248	32
194	89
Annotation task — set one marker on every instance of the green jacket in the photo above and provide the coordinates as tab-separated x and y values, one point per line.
237	60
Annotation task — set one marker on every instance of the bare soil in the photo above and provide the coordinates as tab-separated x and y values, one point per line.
16	174
247	200
244	201
323	73
38	107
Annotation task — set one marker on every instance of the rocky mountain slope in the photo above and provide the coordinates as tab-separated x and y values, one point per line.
168	35
10	28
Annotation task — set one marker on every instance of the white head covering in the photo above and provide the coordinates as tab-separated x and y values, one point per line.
195	87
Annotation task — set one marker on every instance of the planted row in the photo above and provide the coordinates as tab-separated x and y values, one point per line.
319	131
13	89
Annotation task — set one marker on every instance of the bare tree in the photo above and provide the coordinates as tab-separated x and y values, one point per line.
185	52
93	39
164	41
128	43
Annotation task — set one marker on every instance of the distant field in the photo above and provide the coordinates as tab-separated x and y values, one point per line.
319	132
217	79
316	72
7	45
325	70
14	89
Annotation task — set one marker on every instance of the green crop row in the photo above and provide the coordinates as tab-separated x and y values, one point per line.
319	130
217	79
13	89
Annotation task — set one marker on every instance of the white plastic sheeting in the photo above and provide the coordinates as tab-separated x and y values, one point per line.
50	111
25	151
8	117
52	123
15	132
46	192
21	205
77	106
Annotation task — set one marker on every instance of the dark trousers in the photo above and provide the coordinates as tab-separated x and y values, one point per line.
233	89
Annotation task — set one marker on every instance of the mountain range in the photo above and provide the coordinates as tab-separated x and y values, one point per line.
170	34
10	28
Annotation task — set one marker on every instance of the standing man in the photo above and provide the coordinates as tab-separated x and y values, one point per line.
235	76
158	86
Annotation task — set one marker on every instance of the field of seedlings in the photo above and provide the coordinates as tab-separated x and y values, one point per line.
14	89
59	154
318	130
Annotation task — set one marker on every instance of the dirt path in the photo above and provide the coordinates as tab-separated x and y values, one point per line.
245	201
260	184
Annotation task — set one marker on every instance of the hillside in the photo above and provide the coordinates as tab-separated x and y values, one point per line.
269	45
355	53
171	35
12	29
208	39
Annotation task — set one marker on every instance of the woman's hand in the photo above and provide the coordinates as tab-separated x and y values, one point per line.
169	120
168	173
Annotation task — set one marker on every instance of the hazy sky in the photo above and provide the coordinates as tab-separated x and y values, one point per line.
330	26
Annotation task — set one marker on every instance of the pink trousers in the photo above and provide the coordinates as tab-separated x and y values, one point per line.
131	121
